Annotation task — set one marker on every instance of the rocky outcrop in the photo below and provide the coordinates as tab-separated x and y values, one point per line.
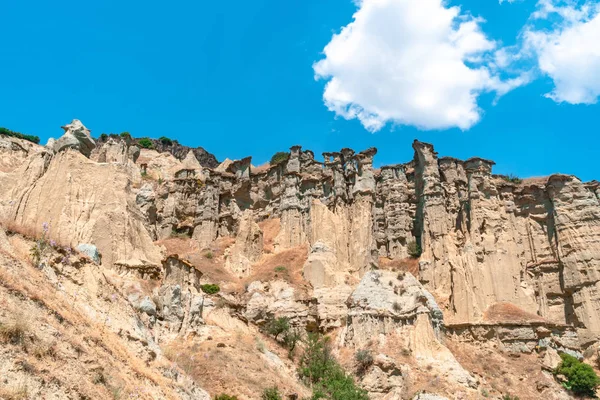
173	147
76	136
484	239
82	202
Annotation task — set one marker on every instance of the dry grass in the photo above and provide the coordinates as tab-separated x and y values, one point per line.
238	368
401	265
286	265
30	232
57	315
508	312
18	392
16	330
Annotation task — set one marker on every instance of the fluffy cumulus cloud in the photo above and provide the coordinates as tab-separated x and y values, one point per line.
569	53
410	62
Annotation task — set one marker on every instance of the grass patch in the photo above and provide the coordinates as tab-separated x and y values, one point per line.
15	331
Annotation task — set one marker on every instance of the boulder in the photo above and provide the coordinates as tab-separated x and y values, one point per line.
147	306
91	251
76	136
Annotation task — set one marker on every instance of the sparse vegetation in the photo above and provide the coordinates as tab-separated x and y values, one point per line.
125	135
397	306
209	255
279	157
210	288
180	234
104	137
14	393
15	331
30	138
225	397
581	378
413	249
512	178
146	143
364	359
319	368
271	393
41	246
99	379
280	268
43	350
509	397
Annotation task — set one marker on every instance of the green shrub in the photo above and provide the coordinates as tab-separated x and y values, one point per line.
319	368
271	393
104	137
281	268
277	326
279	157
30	138
291	339
414	250
146	143
225	397
210	288
364	359
209	255
581	378
165	140
125	135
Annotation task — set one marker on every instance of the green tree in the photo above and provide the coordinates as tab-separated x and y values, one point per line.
277	326
319	368
165	140
279	157
581	378
146	143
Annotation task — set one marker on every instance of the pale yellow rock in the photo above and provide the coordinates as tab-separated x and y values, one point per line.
247	248
82	202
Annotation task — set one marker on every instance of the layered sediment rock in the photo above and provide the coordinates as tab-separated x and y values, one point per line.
484	239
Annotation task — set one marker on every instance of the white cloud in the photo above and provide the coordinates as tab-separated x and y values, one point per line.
570	52
411	62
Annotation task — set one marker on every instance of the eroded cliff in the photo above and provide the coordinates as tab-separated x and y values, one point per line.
418	262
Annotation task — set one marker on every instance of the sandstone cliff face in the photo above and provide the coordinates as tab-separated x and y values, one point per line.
511	264
484	239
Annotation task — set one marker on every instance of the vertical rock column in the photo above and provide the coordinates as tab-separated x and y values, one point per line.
577	223
393	216
207	213
361	241
431	223
293	221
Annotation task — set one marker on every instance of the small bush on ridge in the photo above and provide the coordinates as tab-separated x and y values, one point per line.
210	288
146	143
279	157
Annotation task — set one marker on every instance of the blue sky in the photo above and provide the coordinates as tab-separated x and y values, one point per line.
238	79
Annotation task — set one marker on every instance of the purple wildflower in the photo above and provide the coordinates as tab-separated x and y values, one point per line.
45	227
